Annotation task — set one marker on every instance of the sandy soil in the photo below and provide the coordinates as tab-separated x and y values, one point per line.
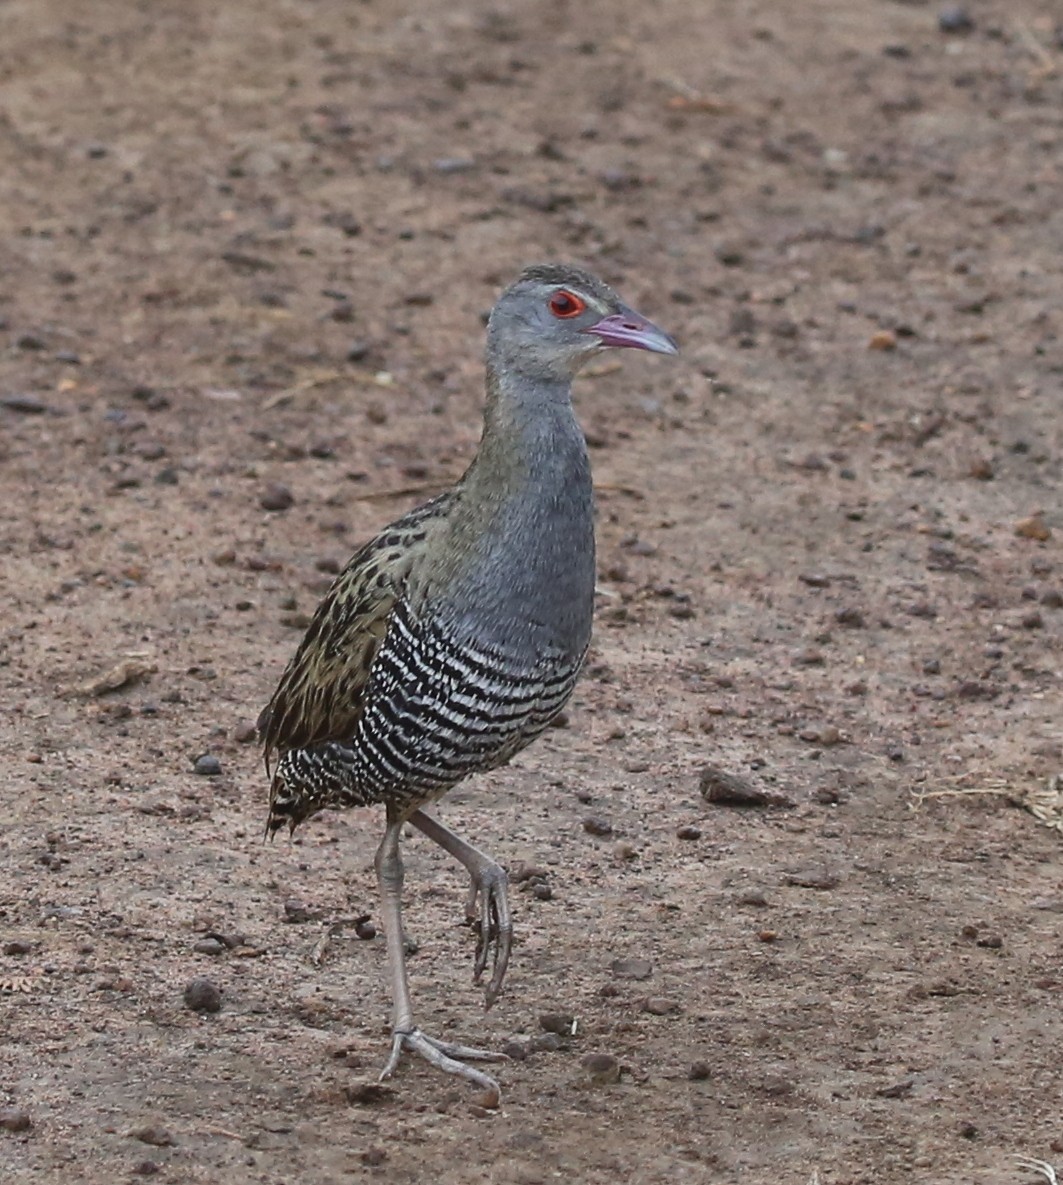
247	245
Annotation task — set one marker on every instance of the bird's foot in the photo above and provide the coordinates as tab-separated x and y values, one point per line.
447	1057
487	911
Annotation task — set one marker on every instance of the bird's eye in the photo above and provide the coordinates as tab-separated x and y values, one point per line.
566	304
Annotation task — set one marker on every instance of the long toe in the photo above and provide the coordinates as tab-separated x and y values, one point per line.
494	928
449	1058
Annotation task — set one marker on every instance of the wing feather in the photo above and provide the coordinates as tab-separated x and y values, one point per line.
321	695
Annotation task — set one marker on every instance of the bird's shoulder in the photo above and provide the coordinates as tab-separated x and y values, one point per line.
321	694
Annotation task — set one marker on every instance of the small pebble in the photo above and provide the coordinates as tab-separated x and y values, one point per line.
542	892
688	832
597	825
882	339
17	947
660	1006
209	946
719	786
154	1134
558	1022
1033	620
699	1071
202	995
207	766
276	497
515	1050
823	734
374	1156
1052	599
245	732
27	405
632	968
813	878
295	912
1033	528
14	1119
545	1043
602	1068
851	618
955	19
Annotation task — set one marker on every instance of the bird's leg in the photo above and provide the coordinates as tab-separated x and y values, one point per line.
404	1033
490	886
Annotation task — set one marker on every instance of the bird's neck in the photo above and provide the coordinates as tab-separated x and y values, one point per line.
531	438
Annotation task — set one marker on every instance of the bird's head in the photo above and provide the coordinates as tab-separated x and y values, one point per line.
555	318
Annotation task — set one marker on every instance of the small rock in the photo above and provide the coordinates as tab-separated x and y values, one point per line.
202	995
245	732
1052	599
276	497
851	618
558	1022
699	1071
27	405
808	656
515	1050
597	825
358	351
625	850
688	832
882	339
295	912
14	1119
821	734
660	1006
897	1090
813	878
981	469
454	164
631	968
542	892
17	947
1033	528
719	786
602	1068
145	1168
154	1134
368	1093
545	1043
955	19
1033	620
209	946
374	1156
207	765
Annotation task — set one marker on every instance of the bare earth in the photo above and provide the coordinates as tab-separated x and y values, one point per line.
246	244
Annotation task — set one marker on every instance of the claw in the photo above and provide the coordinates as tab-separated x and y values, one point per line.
488	910
447	1057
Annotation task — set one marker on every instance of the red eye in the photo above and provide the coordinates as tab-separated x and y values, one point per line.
566	304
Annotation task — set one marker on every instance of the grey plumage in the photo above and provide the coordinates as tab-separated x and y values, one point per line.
452	639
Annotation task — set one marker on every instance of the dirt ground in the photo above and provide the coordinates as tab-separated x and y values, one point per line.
250	244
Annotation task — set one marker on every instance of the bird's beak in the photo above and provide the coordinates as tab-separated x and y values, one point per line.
632	330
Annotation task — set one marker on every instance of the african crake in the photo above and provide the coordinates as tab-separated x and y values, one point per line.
452	639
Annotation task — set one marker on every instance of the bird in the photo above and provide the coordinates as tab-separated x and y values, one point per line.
453	638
